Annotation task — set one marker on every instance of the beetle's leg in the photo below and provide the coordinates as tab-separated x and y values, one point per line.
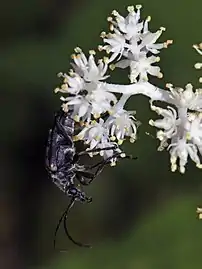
102	164
84	177
96	150
116	155
85	152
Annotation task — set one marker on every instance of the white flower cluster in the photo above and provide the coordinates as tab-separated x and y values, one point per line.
105	122
132	39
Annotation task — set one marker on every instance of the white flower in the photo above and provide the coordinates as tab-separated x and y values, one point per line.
186	98
94	134
168	123
86	75
130	37
116	44
129	25
94	103
89	94
81	108
73	83
141	67
100	100
87	68
121	124
148	40
181	149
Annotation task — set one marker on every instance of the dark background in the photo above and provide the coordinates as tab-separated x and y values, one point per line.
142	215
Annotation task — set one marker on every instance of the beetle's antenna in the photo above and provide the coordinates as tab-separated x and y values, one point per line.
64	214
69	236
64	219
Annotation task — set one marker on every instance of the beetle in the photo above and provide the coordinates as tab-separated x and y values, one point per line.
62	164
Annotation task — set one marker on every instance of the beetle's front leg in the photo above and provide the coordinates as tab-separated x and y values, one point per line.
86	152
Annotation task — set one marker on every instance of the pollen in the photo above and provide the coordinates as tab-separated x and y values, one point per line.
199	212
138	6
132	140
120	142
169	85
109	19
106	60
78	50
148	18
131	9
100	48
111	27
167	43
151	122
108	50
173	167
56	90
96	115
188	136
73	56
75	138
198	65
60	74
76	118
64	87
162	28
65	107
92	52
115	13
112	66
65	80
133	136
199	165
160	75
160	135
71	72
97	138
182	169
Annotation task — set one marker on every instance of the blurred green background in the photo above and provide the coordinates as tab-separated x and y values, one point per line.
142	215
